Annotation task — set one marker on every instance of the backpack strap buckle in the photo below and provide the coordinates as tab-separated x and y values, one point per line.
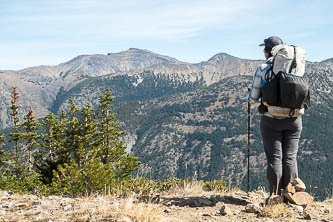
291	112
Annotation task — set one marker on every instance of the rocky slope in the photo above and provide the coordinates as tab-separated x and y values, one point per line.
182	119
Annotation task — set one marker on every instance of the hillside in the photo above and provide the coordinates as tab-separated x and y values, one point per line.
195	130
182	119
41	86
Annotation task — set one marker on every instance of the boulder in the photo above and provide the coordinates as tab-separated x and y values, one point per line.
302	198
299	185
299	198
290	188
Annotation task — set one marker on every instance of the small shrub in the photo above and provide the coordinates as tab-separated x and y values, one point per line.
29	184
216	185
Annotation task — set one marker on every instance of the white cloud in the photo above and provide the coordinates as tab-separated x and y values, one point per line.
35	28
168	20
44	31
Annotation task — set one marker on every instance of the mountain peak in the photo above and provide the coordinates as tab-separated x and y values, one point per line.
221	56
130	51
139	50
327	61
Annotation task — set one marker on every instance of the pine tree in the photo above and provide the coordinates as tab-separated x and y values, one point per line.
82	140
29	138
18	173
113	149
72	129
14	135
16	158
98	157
25	136
53	151
84	172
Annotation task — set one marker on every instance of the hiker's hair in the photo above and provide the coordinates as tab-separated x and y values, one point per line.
268	50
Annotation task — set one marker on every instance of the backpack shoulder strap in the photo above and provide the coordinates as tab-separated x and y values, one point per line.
293	63
267	75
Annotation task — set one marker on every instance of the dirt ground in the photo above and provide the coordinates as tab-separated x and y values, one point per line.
189	205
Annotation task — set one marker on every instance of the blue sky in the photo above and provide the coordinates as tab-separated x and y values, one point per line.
48	32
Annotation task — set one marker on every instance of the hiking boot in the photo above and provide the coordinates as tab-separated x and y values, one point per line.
274	199
288	196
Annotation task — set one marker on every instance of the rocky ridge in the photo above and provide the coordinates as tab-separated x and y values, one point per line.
40	86
172	206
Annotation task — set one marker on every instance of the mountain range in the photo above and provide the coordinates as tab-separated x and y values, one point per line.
181	119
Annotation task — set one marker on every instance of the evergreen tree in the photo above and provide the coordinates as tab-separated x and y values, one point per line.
113	150
29	138
17	171
15	107
97	157
15	157
78	152
25	137
53	150
72	129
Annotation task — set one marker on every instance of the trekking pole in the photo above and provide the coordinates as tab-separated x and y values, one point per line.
248	143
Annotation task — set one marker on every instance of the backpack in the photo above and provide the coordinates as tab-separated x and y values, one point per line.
285	84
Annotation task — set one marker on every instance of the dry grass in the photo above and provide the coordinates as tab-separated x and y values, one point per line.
125	209
186	189
190	188
129	209
116	206
274	210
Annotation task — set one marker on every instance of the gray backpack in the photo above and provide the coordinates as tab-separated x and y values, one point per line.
283	57
286	87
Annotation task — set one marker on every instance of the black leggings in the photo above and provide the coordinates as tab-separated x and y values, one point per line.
280	139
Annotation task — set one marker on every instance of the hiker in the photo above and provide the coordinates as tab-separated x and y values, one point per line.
280	128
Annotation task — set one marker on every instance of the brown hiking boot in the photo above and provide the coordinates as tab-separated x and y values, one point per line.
288	196
274	199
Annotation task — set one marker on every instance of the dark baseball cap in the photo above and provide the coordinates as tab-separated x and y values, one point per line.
272	41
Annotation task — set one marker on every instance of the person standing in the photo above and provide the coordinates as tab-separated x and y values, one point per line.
280	131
